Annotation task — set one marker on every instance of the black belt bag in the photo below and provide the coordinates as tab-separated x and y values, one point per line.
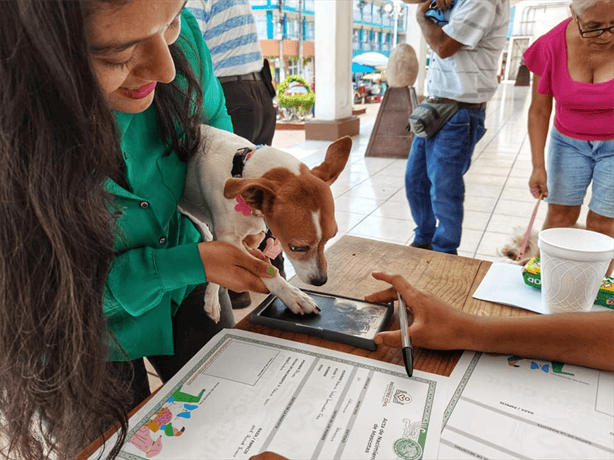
429	117
268	78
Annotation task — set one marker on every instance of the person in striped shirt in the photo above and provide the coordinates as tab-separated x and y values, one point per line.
229	29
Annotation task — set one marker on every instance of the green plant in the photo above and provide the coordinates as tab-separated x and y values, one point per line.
301	102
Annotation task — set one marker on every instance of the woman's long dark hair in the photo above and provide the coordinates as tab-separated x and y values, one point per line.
57	147
179	108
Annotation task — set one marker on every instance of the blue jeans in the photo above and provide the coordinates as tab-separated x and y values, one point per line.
573	164
434	179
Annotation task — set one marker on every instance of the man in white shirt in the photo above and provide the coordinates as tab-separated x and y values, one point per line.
462	71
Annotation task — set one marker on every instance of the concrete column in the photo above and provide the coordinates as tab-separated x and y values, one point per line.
416	40
333	62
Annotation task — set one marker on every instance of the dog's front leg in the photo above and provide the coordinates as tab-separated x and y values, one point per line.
212	302
295	299
212	292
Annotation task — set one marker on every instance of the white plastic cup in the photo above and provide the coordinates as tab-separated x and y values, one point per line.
573	264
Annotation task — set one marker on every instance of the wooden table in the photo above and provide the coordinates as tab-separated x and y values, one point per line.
453	279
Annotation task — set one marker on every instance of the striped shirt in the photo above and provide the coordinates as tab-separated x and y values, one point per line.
229	29
470	75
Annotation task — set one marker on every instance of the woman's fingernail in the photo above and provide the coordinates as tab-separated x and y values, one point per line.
271	270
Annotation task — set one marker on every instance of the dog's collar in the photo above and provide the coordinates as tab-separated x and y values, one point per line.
240	158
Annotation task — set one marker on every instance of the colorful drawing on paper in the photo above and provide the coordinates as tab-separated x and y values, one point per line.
547	367
168	421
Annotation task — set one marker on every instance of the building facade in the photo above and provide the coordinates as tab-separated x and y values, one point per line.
286	29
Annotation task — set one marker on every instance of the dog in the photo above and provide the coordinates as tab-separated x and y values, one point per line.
238	189
510	250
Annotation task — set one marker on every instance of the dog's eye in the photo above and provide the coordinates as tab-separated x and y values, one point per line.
299	248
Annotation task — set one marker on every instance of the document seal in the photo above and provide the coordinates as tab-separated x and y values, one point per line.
407	449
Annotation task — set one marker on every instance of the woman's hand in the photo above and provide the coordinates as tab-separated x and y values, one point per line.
538	182
435	325
233	268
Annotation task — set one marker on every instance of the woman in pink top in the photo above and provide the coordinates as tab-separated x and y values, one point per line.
574	65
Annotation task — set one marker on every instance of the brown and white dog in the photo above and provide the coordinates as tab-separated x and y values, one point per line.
271	188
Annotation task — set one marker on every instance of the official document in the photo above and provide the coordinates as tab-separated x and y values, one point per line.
245	393
505	407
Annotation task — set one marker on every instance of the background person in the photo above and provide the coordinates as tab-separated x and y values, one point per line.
100	104
229	29
574	65
462	71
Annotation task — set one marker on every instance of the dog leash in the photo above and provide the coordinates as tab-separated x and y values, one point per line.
530	227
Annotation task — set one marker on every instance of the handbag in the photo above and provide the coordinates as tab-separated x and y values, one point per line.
429	117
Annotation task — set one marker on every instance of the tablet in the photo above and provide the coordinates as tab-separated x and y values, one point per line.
342	319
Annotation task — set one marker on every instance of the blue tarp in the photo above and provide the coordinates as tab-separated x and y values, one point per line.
359	68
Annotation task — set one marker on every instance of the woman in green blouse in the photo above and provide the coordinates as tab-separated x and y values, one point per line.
100	101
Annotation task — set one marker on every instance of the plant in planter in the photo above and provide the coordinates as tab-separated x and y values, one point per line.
295	95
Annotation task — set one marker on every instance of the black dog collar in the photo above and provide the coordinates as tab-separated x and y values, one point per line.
240	158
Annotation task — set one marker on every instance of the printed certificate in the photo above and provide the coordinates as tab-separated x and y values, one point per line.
245	393
505	407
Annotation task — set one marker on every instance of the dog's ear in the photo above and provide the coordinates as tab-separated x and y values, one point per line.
336	157
257	193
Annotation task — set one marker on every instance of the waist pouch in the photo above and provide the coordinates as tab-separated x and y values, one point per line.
429	117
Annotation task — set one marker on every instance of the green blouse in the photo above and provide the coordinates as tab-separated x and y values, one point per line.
158	263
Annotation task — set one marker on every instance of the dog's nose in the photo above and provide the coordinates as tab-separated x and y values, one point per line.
319	280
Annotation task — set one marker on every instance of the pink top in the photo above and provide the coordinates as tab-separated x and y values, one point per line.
583	110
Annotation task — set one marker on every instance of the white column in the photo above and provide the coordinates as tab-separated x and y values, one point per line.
415	38
333	55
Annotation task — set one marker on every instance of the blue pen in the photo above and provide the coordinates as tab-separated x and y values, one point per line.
408	349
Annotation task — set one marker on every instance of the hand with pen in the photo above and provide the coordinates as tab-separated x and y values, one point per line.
432	323
581	338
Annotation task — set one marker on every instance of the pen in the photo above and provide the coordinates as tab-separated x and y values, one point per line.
408	349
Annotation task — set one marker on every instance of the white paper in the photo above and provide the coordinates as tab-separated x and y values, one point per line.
509	407
504	284
252	393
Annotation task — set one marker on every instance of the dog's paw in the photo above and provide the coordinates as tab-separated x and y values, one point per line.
299	302
296	300
212	302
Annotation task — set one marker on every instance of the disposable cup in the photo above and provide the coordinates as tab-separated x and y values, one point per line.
573	263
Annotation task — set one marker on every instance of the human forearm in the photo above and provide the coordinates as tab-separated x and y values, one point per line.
442	44
576	338
538	125
139	278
